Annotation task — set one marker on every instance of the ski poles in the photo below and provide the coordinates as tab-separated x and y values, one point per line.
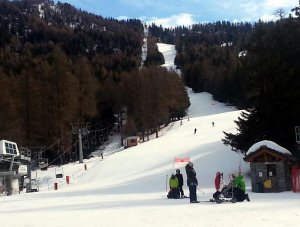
166	182
200	190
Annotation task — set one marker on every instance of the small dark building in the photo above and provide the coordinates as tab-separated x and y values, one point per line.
270	167
132	141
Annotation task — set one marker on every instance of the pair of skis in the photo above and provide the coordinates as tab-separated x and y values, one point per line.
218	201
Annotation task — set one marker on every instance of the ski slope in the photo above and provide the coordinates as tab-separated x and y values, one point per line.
128	187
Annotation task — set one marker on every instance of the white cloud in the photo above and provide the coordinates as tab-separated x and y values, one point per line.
279	3
264	9
268	18
174	20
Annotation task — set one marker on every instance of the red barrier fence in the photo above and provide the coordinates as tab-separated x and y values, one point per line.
296	178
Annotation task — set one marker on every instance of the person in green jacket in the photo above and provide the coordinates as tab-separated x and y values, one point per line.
239	188
173	183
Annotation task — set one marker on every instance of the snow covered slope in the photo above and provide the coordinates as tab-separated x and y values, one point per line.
128	187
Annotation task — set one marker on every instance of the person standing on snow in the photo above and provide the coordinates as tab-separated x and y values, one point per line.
192	182
180	182
195	131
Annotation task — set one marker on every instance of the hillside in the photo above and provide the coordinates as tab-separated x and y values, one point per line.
63	66
67	68
128	186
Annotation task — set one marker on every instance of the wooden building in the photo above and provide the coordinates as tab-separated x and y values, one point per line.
132	141
270	167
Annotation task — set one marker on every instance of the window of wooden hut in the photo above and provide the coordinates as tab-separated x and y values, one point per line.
271	170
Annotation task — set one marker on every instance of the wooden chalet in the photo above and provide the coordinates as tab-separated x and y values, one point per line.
270	167
132	141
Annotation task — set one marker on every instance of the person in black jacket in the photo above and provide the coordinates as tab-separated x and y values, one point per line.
180	182
192	182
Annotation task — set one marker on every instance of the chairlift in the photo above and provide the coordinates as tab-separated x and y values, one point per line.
43	163
73	156
34	186
59	172
85	145
101	147
93	137
100	138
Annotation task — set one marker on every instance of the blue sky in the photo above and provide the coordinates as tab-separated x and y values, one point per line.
171	13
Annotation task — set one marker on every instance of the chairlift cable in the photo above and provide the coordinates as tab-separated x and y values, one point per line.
56	142
63	152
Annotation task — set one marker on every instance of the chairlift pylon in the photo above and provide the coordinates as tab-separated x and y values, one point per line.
34	185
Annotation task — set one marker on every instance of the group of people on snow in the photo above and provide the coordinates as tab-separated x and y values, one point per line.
235	189
176	183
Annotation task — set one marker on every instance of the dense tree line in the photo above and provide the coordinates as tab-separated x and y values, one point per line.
153	96
209	56
273	77
60	65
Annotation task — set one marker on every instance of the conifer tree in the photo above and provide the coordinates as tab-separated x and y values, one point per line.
274	75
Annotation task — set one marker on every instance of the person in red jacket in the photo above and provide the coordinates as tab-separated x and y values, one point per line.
219	184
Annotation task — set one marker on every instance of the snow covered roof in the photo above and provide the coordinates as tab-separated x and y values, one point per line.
269	144
132	137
